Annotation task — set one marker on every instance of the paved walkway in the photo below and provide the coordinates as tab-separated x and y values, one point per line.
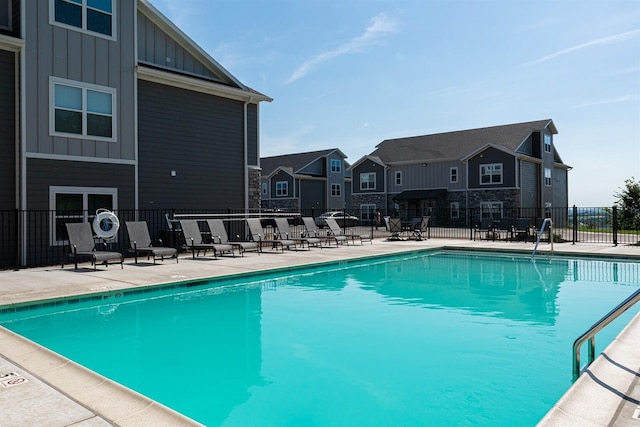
42	388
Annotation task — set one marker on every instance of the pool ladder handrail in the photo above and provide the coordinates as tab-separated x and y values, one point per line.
545	222
597	327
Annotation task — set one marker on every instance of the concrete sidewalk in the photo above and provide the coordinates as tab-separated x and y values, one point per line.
50	390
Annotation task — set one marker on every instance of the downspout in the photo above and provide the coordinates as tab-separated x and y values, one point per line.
22	149
246	154
136	147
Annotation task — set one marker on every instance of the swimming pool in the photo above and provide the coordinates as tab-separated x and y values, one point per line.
437	338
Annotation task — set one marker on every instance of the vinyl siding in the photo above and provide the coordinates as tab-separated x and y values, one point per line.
490	156
312	196
279	177
560	190
7	130
529	185
199	136
70	54
433	175
253	156
368	166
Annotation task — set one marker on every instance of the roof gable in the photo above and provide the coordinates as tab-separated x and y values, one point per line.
459	144
296	162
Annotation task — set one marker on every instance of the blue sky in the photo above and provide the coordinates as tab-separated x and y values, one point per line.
349	74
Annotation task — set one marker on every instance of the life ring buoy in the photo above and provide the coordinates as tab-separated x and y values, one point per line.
105	224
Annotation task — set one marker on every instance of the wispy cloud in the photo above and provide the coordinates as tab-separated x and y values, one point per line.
381	26
598	42
617	100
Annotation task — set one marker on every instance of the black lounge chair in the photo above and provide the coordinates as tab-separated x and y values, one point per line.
82	244
258	235
420	228
194	242
219	234
337	231
140	243
284	232
395	228
311	230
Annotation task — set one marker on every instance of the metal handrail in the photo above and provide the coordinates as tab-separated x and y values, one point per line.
597	327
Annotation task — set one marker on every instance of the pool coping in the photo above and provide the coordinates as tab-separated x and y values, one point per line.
89	389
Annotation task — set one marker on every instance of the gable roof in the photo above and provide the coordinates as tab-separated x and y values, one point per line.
295	161
459	144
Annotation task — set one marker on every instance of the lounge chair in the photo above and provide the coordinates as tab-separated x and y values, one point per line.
194	242
284	232
82	244
335	230
486	228
219	234
522	230
311	230
420	229
258	235
140	242
395	228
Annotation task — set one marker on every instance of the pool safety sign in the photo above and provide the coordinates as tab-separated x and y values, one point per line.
12	379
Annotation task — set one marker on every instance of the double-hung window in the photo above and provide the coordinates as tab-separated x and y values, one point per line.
454	208
82	110
399	178
453	175
491	210
5	14
282	188
547	143
336	165
92	16
336	190
547	177
368	181
77	204
491	174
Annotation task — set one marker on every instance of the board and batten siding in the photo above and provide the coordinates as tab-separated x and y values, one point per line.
54	51
201	138
492	156
560	190
368	166
253	150
529	185
431	175
312	196
8	97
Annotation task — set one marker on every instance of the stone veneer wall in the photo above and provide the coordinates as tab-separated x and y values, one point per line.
368	199
255	193
288	204
510	198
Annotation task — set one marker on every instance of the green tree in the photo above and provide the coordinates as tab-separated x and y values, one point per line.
629	205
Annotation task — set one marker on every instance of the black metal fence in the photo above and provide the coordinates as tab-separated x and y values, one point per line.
38	238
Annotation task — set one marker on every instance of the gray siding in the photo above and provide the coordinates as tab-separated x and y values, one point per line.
560	190
529	185
312	196
335	178
368	166
432	175
46	173
315	168
253	152
158	48
7	130
201	138
279	177
73	55
488	156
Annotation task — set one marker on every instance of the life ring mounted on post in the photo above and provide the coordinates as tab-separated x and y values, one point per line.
105	224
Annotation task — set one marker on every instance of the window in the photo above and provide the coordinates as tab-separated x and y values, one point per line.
82	110
336	165
368	212
491	174
547	177
5	14
453	175
336	190
399	178
94	16
282	188
491	210
454	209
368	181
264	188
547	143
77	204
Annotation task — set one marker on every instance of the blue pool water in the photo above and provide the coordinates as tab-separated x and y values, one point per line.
435	338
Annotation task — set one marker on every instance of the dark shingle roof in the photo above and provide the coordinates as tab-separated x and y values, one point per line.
457	145
294	161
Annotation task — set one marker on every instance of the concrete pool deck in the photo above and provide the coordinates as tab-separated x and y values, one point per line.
39	387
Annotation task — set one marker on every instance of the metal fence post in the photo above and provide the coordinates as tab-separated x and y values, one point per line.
615	225
575	224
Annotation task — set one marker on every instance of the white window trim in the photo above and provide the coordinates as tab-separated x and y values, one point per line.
337	187
454	207
285	191
547	143
9	17
264	188
491	165
368	175
547	179
398	178
114	26
85	191
451	170
338	168
367	211
489	207
84	86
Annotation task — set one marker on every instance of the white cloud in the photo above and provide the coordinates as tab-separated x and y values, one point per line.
598	42
381	25
604	102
